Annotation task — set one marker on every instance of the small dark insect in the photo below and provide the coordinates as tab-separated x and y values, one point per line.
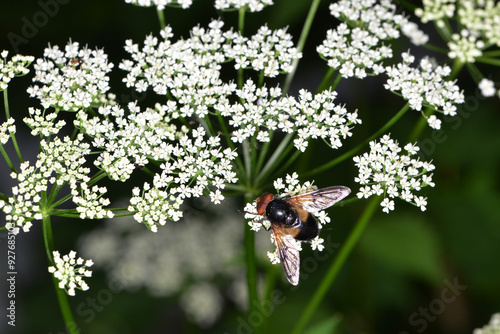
291	218
76	61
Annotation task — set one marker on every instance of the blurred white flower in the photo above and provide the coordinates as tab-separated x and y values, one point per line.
493	326
487	87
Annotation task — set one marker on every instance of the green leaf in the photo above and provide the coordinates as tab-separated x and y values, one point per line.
405	243
327	326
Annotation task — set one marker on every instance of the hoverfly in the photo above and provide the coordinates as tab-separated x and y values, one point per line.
291	218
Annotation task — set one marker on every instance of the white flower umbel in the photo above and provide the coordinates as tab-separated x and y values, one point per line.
493	326
436	11
269	51
42	123
59	163
252	5
71	80
290	187
17	66
386	171
70	272
309	116
424	86
7	129
481	18
356	47
188	71
161	4
465	47
202	303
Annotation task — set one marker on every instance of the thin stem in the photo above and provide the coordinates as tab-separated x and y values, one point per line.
487	60
12	136
278	154
336	265
355	150
327	80
241	28
161	18
7	159
302	42
474	72
6	103
61	294
251	263
491	54
263	151
247	159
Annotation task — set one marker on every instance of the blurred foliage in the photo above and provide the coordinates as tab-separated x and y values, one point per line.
404	259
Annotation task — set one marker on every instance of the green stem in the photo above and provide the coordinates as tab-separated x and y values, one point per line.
356	149
487	60
327	80
278	154
6	103
474	72
336	265
251	264
61	294
7	159
161	18
12	136
241	28
302	42
491	54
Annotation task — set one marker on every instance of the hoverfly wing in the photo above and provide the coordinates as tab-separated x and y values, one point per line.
320	199
288	253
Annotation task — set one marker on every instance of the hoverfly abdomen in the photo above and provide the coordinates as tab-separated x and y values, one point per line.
309	229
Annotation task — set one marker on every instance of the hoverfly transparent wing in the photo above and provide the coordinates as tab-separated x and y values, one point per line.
320	199
288	253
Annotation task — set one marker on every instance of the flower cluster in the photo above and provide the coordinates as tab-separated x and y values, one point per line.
192	161
269	51
309	116
481	17
253	5
356	46
72	79
436	11
493	326
70	272
161	4
59	162
424	85
290	187
43	123
7	129
465	47
17	66
384	171
189	71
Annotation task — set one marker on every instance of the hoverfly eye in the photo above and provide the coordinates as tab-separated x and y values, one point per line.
262	202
